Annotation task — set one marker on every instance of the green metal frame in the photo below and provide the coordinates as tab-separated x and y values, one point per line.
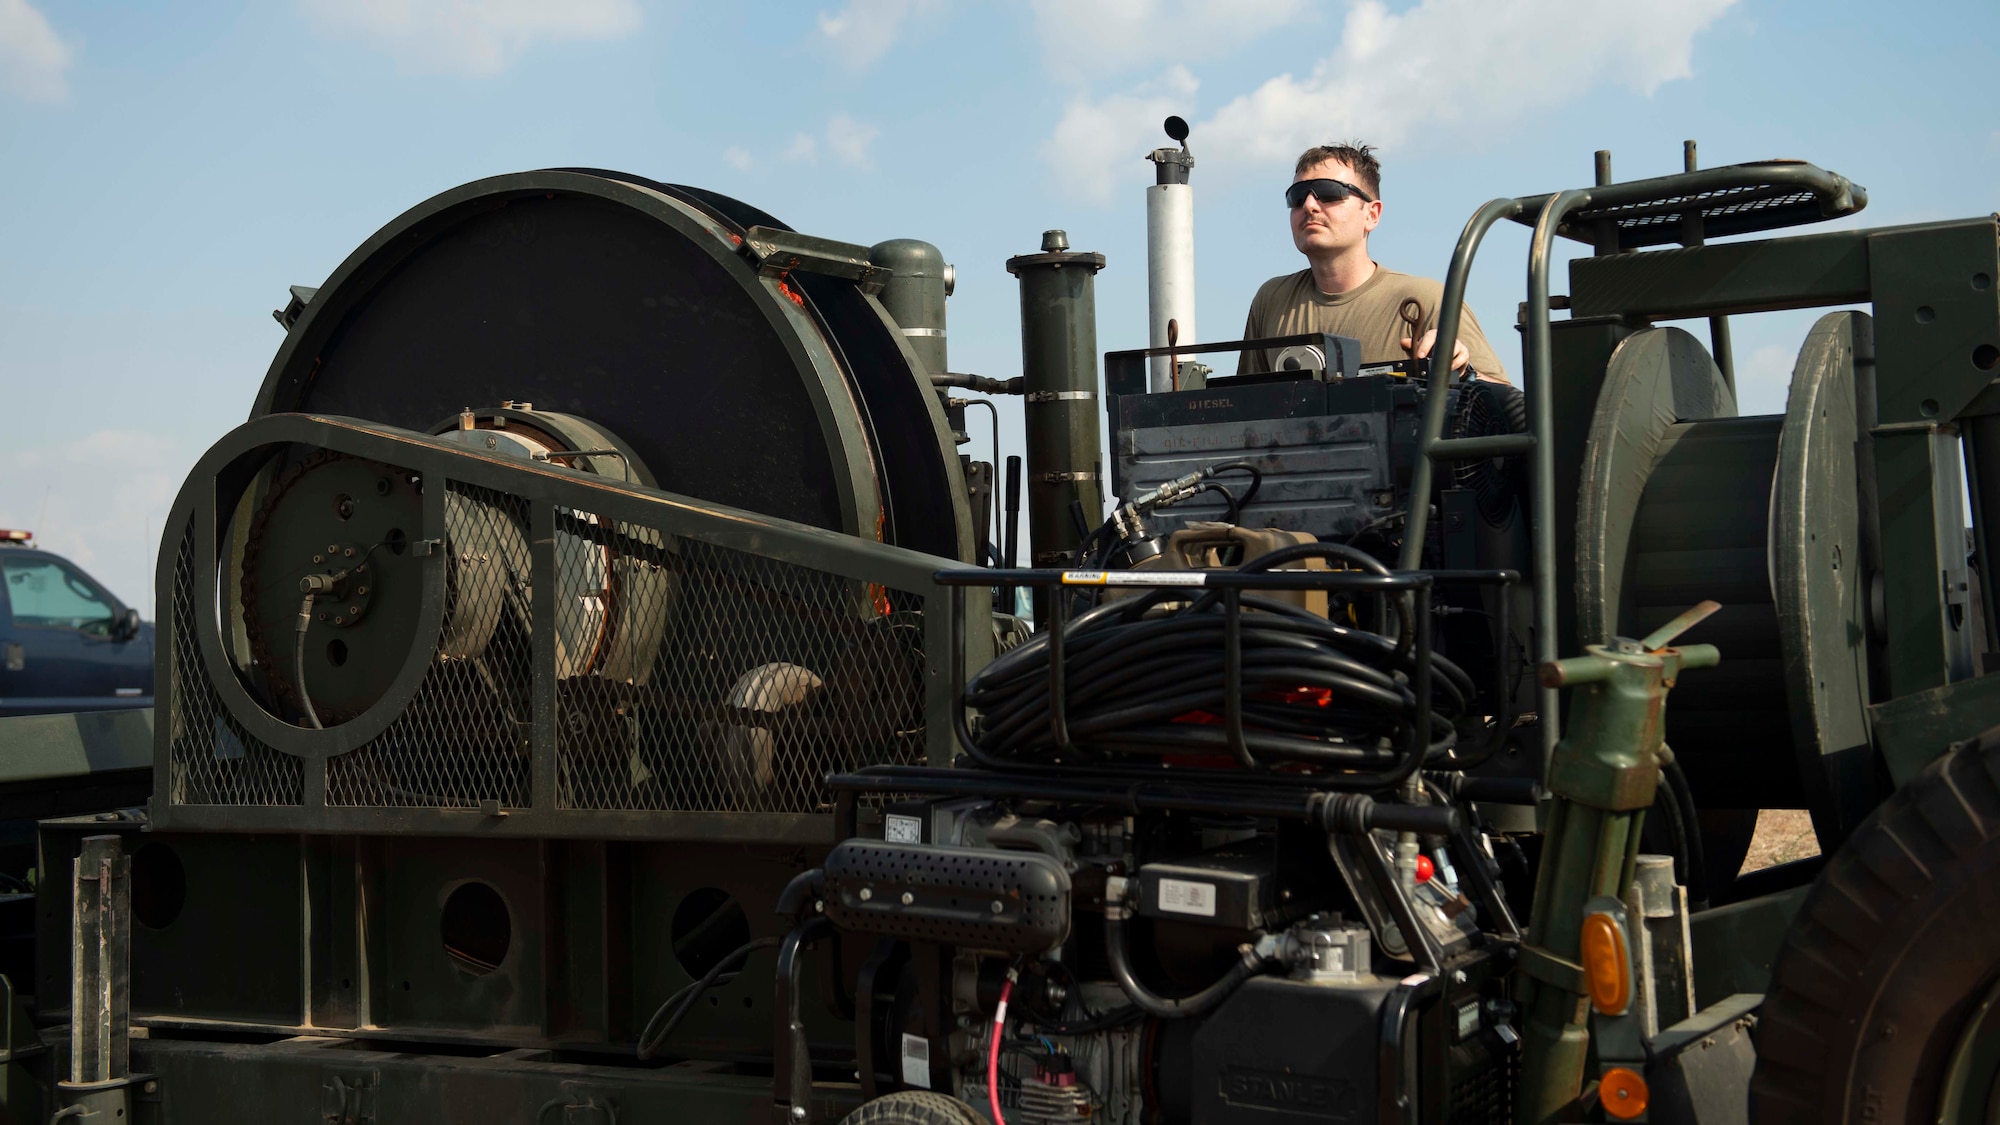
1937	348
225	470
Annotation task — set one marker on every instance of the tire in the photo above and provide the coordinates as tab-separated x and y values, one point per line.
1889	957
916	1107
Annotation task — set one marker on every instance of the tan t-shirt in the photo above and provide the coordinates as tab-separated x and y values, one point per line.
1292	304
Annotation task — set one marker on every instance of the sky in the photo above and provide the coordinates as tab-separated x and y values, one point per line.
166	171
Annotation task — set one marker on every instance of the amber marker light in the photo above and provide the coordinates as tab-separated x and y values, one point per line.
1606	969
1622	1093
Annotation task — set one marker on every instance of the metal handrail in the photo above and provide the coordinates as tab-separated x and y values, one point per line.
1836	195
1449	310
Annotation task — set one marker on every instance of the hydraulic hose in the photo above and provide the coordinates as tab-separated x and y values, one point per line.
993	1048
682	1002
1153	1004
1138	682
299	651
1683	815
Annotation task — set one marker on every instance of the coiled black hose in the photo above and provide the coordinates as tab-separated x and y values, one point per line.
1138	675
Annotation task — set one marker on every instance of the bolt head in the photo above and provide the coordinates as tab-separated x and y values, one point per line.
998	906
908	898
867	893
319	558
798	1113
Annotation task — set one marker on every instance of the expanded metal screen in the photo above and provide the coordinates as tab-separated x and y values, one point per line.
625	668
768	676
466	736
212	759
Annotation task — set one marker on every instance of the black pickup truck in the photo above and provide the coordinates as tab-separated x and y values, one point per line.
66	643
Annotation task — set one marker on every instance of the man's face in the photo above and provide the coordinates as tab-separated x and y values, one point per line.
1319	229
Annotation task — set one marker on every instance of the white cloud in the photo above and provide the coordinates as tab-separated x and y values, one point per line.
848	140
736	158
844	139
1441	73
861	32
100	502
1446	69
472	38
802	150
1086	38
32	56
1100	145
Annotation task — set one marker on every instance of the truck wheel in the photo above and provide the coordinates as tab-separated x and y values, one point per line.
915	1107
1881	1007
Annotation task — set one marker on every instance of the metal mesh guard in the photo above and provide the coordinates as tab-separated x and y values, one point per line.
211	759
702	678
466	736
687	677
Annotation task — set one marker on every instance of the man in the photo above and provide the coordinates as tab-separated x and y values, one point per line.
1336	199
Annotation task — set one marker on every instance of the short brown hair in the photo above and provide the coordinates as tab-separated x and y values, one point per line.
1355	155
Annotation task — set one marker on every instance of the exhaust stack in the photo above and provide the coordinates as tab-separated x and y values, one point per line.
1170	255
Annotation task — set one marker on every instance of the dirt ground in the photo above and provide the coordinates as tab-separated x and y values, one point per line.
1783	835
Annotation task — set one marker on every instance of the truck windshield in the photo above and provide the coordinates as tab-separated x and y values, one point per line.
47	594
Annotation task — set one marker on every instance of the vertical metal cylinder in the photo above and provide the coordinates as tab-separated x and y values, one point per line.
1169	262
1059	362
919	282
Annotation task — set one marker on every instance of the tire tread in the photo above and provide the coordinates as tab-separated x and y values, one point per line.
1814	1014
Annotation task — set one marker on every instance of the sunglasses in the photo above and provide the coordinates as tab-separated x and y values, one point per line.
1326	191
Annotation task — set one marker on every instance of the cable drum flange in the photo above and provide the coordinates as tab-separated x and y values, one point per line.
315	512
625	301
1818	550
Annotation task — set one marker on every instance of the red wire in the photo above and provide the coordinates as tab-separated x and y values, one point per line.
993	1053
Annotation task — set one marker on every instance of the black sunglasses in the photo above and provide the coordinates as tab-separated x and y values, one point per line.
1326	191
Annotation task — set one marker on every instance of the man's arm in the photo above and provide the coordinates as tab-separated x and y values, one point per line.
1472	347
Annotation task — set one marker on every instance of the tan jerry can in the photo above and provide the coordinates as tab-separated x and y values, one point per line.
1224	546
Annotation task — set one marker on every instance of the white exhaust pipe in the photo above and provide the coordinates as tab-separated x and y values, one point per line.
1170	255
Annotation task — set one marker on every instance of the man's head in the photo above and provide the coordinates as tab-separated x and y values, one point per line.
1329	229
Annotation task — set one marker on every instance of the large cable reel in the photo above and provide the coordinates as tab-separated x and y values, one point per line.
634	305
548	313
1681	500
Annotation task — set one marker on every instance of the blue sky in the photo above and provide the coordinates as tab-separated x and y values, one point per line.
166	171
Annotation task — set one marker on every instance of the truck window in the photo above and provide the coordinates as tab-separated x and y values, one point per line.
44	593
